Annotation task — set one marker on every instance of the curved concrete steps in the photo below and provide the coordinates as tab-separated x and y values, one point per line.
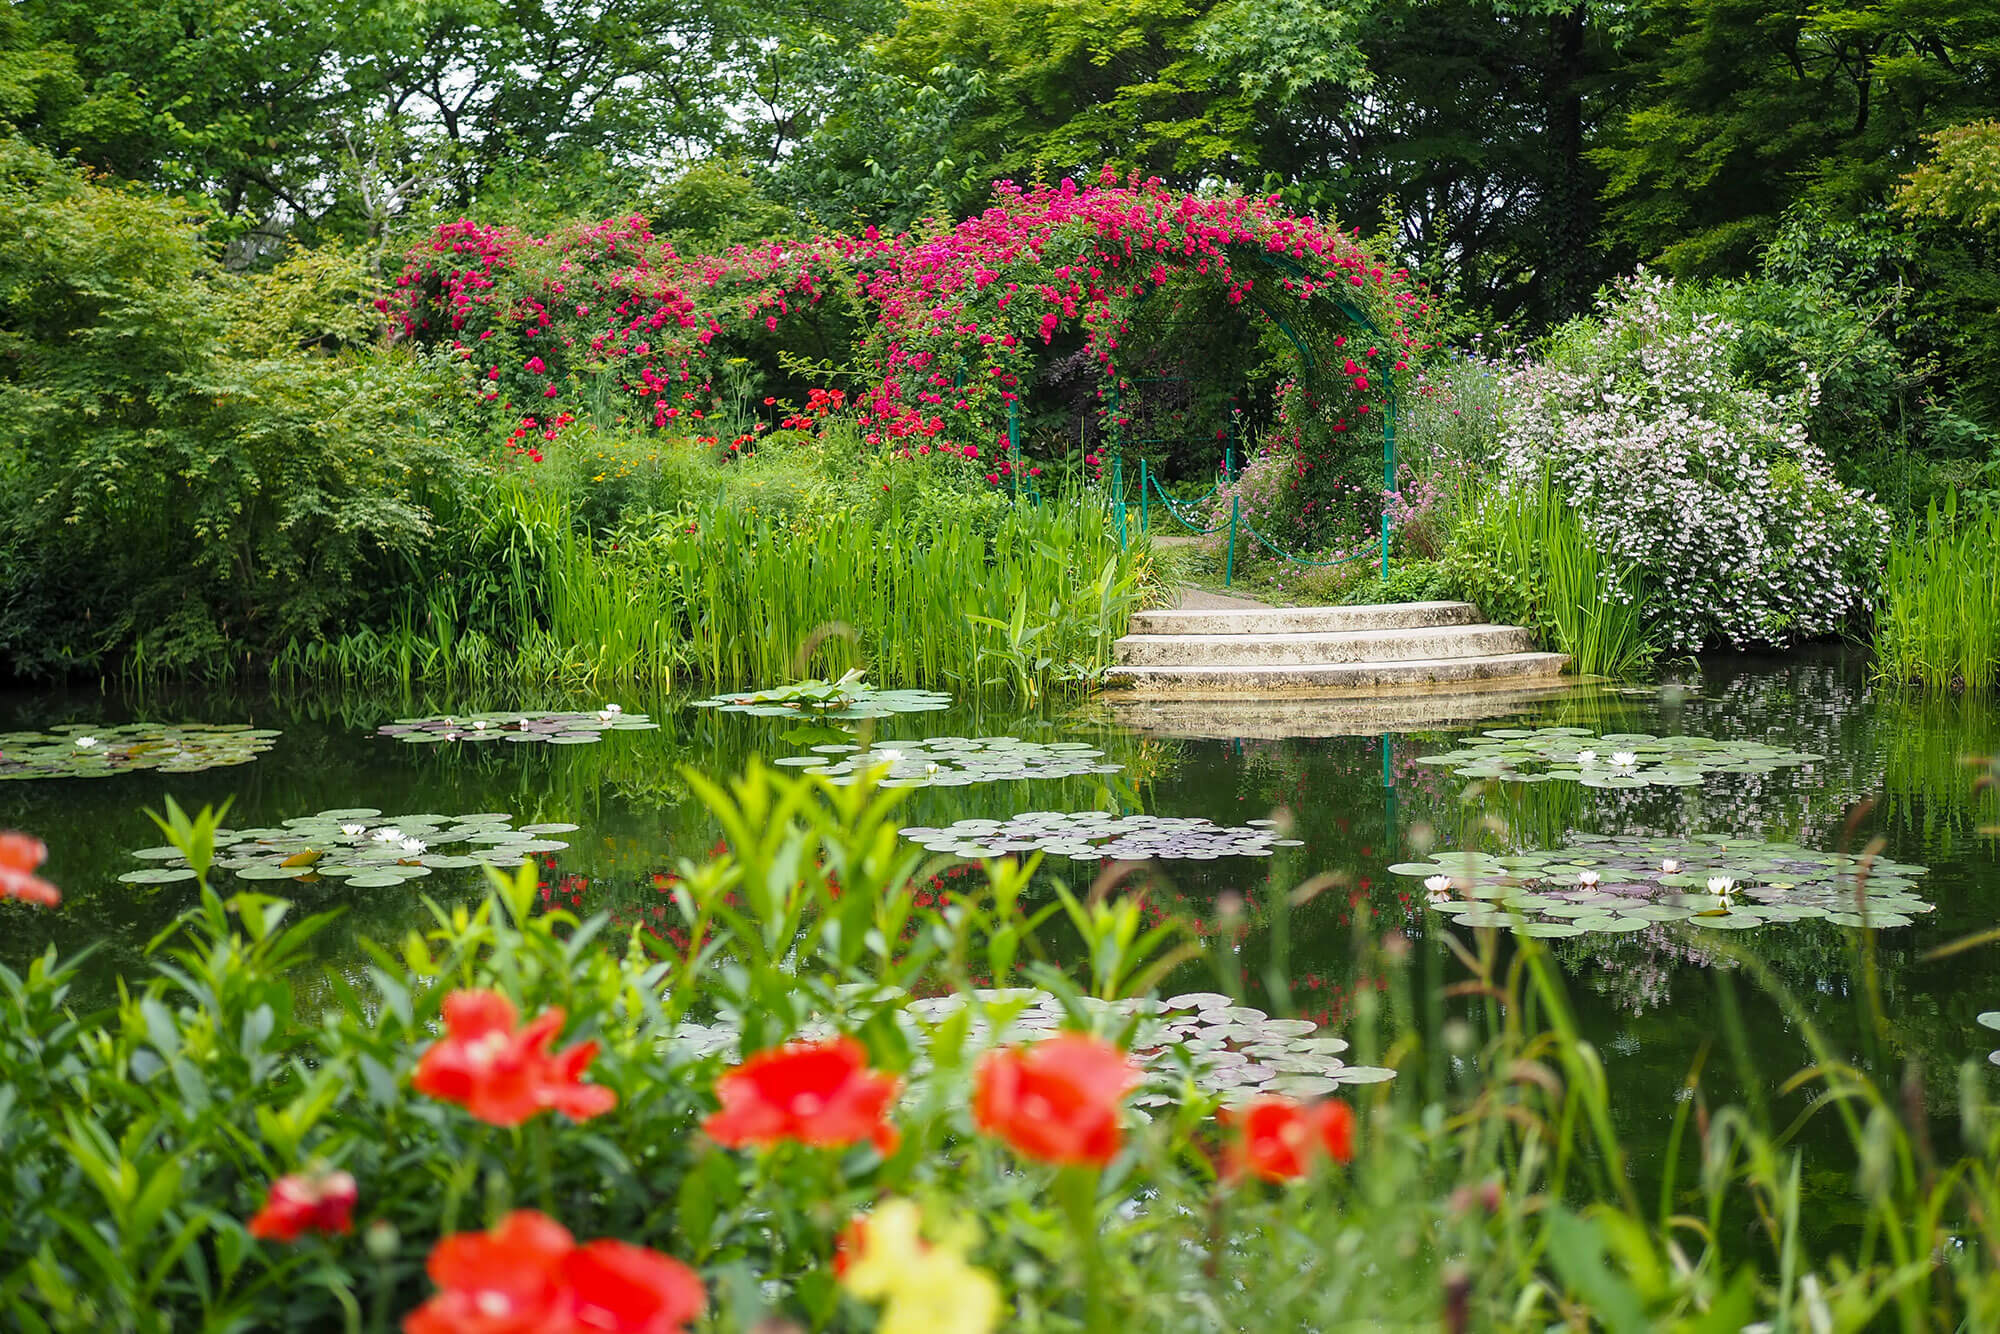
1281	651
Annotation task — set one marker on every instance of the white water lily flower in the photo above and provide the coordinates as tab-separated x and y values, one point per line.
1588	879
388	834
1624	759
1437	884
85	742
479	724
888	756
354	830
1720	884
1670	865
612	709
1586	757
413	846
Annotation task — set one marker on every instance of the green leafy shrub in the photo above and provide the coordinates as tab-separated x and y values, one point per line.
191	478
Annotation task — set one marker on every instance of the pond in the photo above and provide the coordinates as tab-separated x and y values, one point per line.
1834	766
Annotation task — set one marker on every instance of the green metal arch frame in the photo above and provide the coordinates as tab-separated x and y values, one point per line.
1354	313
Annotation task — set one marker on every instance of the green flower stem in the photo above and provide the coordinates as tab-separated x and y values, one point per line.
461	1182
1076	1188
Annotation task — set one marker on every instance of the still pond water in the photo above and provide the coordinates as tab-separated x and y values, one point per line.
1893	768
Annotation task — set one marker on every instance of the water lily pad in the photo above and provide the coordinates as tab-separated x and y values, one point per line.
366	851
1096	835
1197	1045
1611	884
958	761
849	698
81	750
1614	760
525	726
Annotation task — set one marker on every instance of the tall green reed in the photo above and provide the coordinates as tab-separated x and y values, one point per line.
723	593
1938	625
1541	556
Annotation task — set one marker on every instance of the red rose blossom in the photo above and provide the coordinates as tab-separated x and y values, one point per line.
1056	1100
818	1093
504	1075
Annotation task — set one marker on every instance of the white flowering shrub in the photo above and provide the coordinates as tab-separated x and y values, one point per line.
1682	473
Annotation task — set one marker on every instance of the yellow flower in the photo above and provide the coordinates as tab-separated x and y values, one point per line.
929	1287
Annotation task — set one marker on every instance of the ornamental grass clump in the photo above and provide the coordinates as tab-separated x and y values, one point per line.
1705	489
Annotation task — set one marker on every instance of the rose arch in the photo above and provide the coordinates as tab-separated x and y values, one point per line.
931	339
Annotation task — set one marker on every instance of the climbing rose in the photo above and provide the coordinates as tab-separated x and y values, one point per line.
818	1093
1056	1100
309	1202
19	856
504	1075
528	1276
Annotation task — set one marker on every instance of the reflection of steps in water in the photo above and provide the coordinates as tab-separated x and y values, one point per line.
1270	718
1201	1039
1229	652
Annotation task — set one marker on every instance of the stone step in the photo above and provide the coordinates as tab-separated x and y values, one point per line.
1315	648
1409	708
1303	620
1227	681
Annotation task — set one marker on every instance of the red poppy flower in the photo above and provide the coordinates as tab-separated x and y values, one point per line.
311	1202
1278	1138
528	1276
504	1075
507	1281
19	856
1275	1139
1335	1122
630	1290
1056	1100
818	1093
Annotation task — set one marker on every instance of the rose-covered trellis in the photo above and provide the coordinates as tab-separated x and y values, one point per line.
941	330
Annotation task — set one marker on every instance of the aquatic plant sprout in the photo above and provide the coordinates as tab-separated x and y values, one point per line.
360	847
1098	836
561	729
954	761
1717	883
1197	1045
87	750
1516	755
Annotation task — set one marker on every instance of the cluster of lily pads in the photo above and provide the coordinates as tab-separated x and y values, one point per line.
361	846
1096	836
1616	759
954	761
82	750
849	699
1200	1044
1600	883
1991	1019
559	729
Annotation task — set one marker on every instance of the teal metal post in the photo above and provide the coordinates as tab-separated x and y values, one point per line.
1388	471
1389	843
1229	561
1014	444
1118	496
1145	499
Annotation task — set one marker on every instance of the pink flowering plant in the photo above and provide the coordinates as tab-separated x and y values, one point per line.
944	330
